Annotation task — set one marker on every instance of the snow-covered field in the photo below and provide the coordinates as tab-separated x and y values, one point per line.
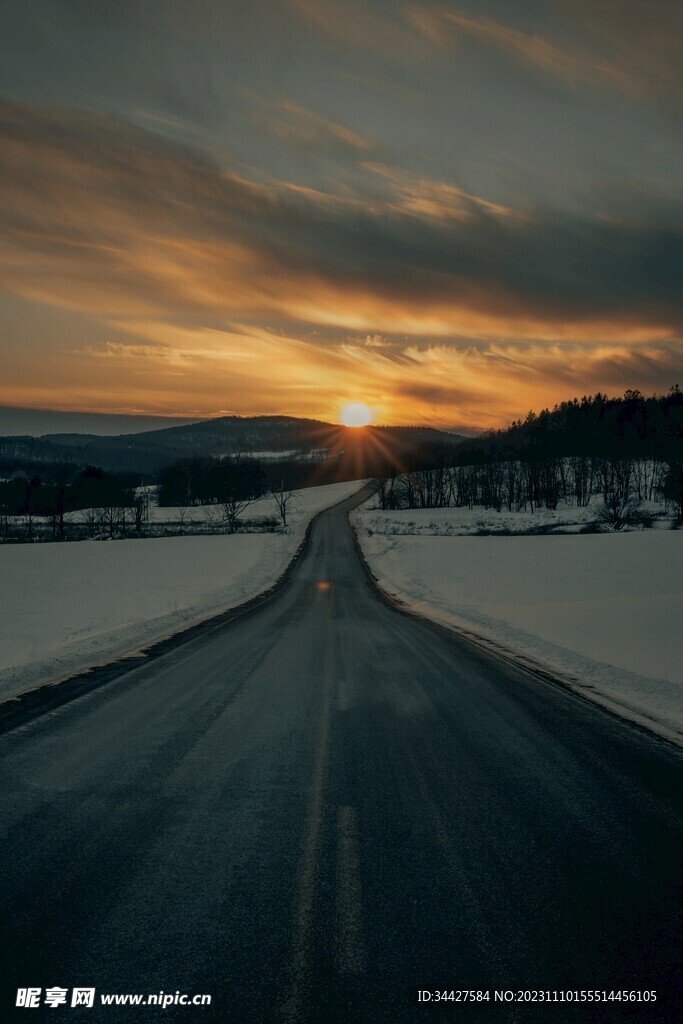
466	522
603	611
68	606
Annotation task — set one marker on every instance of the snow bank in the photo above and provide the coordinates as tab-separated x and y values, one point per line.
603	611
68	606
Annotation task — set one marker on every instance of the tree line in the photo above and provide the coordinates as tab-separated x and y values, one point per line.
624	451
226	487
93	503
109	502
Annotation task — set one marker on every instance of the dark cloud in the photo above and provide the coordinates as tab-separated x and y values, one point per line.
94	203
438	394
655	368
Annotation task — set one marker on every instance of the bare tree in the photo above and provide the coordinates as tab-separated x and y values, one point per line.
109	518
31	504
140	511
90	517
183	517
213	516
386	483
126	513
238	484
184	500
225	513
284	499
233	507
60	492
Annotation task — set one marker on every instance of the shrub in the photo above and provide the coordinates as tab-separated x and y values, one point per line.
617	513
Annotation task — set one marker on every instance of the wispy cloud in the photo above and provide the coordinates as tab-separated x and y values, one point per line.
376	341
383	32
631	47
420	196
297	126
445	28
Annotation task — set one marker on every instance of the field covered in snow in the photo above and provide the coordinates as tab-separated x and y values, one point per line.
71	605
603	611
480	522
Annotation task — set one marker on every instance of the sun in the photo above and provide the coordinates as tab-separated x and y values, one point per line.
355	414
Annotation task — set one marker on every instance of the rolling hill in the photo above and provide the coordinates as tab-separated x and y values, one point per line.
274	438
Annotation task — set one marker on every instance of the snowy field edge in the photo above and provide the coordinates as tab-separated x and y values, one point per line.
72	607
611	637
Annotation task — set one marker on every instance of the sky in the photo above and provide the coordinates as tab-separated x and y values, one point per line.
453	212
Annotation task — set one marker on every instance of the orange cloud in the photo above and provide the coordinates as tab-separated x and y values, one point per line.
198	371
465	310
423	197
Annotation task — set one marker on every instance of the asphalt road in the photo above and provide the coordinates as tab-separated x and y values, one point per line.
326	806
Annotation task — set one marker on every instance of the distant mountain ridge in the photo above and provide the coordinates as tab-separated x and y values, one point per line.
149	451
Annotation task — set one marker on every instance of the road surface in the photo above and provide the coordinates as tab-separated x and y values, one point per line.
318	810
